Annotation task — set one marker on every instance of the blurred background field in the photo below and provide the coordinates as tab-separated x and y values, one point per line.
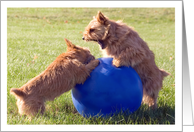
35	37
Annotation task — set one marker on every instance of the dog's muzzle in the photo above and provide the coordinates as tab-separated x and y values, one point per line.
90	59
83	38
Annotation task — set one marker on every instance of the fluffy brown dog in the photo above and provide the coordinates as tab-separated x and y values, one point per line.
121	42
69	69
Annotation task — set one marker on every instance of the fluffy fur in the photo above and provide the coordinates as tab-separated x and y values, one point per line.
121	42
69	69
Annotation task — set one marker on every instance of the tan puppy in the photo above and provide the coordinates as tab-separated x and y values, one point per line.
121	42
69	69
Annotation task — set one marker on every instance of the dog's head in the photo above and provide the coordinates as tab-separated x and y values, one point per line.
20	95
82	54
97	30
27	104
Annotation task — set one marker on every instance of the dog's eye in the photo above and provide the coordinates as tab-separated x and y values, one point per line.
92	30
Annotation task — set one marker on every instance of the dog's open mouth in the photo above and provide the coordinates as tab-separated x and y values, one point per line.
101	43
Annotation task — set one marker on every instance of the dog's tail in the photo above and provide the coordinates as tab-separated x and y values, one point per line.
164	73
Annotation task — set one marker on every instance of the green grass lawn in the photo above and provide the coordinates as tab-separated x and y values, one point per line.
35	37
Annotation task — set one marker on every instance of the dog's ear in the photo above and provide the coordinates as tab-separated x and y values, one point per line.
101	18
17	92
69	44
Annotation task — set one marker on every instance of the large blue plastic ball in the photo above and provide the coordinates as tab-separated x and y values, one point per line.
108	90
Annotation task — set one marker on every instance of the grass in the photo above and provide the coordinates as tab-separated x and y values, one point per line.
35	39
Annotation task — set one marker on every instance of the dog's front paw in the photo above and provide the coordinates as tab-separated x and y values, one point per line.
93	64
116	62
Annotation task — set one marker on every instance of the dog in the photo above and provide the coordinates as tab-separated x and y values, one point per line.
70	68
124	45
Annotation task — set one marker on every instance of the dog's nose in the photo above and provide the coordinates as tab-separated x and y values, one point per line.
83	38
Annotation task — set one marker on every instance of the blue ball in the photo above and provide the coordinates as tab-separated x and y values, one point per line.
108	90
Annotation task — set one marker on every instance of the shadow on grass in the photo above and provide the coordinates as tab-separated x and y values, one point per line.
67	114
161	115
144	115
